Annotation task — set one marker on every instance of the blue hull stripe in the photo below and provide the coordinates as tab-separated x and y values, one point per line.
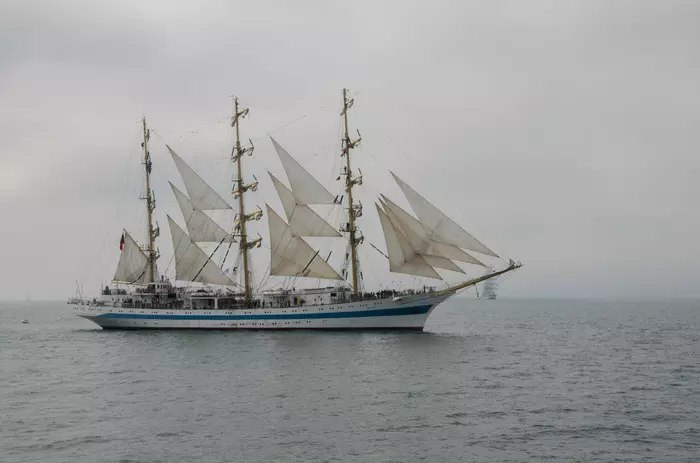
418	310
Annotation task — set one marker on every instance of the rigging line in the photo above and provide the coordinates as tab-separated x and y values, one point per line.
378	250
267	132
336	130
266	274
377	281
263	280
321	106
307	265
199	129
215	158
226	255
501	281
236	263
367	187
196	129
158	135
282	127
125	183
169	264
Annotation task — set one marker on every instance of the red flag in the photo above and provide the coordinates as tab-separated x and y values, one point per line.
121	243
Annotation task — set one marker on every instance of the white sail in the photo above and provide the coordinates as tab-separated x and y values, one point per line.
291	255
412	244
419	246
202	196
201	227
441	262
133	263
451	252
305	188
191	263
444	229
402	258
422	238
302	219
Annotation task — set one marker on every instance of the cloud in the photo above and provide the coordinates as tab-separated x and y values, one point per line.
562	133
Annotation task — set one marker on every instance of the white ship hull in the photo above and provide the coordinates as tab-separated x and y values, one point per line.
401	313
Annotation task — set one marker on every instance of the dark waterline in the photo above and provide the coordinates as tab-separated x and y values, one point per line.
491	381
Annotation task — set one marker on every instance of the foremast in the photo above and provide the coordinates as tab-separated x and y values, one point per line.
239	190
346	146
150	204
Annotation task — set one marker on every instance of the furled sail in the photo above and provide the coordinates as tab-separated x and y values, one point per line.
443	228
133	263
202	196
305	188
201	227
402	257
191	263
302	219
422	238
291	255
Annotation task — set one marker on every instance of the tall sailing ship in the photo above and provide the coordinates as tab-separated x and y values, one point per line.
141	298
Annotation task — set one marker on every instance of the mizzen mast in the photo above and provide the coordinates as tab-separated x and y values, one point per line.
353	210
150	205
239	190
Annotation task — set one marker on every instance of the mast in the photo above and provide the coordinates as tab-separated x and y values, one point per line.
238	191
150	204
346	146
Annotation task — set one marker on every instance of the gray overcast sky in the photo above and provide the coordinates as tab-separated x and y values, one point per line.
561	133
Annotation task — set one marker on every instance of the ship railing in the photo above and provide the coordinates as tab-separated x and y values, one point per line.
256	304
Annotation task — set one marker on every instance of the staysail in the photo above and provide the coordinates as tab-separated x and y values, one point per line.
291	255
202	196
191	263
421	238
402	257
201	227
305	188
302	219
419	245
133	263
442	228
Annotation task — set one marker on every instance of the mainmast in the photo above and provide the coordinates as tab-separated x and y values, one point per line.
150	204
353	213
238	191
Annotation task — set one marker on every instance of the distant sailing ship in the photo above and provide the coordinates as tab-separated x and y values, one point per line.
489	287
418	245
26	320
